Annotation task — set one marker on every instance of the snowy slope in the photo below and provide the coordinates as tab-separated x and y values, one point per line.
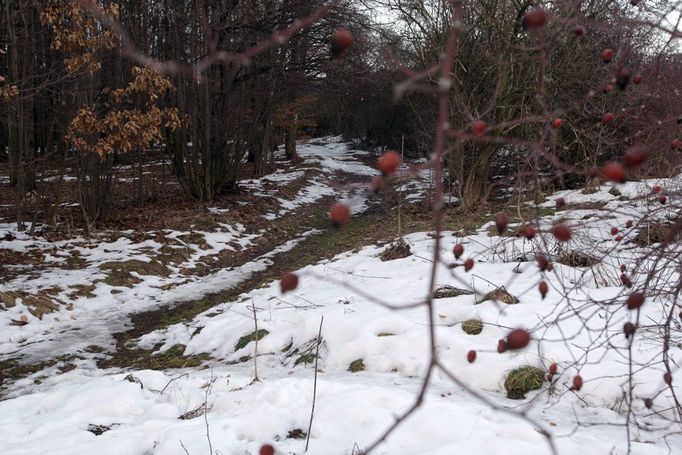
578	326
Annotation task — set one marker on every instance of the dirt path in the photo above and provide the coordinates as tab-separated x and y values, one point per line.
299	237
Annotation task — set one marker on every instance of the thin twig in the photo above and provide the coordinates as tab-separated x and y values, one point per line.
312	410
255	354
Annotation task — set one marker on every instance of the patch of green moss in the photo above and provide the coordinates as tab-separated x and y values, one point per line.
248	338
472	326
174	358
356	365
121	278
154	268
523	380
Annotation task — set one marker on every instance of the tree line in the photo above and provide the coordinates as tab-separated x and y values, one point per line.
208	85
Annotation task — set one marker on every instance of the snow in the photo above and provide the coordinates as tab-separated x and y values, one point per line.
578	325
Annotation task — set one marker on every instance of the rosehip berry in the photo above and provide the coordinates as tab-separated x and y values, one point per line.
613	172
479	127
562	232
340	42
389	162
608	118
339	215
543	288
501	221
471	356
518	339
635	156
635	301
534	19
607	55
289	282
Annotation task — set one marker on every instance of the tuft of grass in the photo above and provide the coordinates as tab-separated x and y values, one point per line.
305	359
356	365
472	326
249	337
397	250
523	380
501	295
297	433
446	292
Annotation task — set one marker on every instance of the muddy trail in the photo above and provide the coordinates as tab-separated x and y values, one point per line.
314	240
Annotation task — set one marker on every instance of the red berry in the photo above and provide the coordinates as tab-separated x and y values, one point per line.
550	377
501	221
618	238
614	230
613	172
535	18
543	263
501	346
468	264
560	202
625	280
557	122
622	267
635	156
607	55
635	300
579	30
341	41
656	189
562	232
577	382
471	356
628	224
339	215
608	118
553	368
637	79
458	250
668	378
629	329
377	183
289	282
676	144
607	88
663	199
529	231
479	127
267	449
518	339
389	162
543	288
622	78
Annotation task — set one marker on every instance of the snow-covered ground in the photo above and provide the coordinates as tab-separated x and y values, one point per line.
578	326
86	306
